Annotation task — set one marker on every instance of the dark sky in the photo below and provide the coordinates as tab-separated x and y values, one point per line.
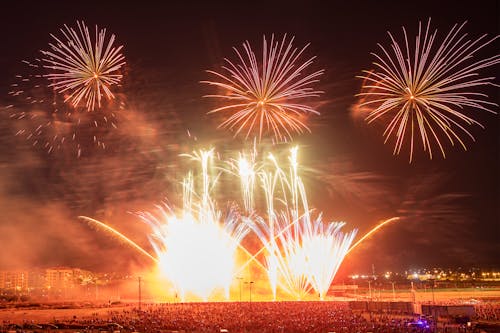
450	207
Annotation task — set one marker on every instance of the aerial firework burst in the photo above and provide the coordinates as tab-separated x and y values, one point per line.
425	92
82	69
267	95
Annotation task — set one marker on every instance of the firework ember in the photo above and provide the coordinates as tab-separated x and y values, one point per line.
48	123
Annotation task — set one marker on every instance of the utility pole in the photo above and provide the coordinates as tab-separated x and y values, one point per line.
96	290
140	295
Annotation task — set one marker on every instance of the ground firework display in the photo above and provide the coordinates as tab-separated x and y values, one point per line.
195	247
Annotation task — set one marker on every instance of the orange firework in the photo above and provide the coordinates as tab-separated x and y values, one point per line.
371	232
118	235
267	95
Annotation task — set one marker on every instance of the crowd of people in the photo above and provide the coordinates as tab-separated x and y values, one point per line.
257	317
487	311
265	317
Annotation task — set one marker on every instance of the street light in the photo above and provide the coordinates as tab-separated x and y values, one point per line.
413	291
140	294
393	292
432	286
370	289
250	286
240	278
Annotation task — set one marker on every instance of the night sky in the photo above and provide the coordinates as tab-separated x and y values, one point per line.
450	207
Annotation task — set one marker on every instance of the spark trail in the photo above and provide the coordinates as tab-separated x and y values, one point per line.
118	235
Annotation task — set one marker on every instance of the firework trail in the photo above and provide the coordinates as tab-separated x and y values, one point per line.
82	69
371	232
425	93
245	169
195	248
118	235
266	95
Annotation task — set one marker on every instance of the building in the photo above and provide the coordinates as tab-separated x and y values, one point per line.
14	280
59	278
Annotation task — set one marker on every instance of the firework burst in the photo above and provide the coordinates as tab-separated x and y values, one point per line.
83	70
425	92
267	95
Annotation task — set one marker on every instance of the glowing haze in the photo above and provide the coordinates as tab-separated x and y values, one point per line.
272	227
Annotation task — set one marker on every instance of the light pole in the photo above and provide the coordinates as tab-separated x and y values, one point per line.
432	286
413	292
393	292
370	289
250	287
96	290
240	278
140	295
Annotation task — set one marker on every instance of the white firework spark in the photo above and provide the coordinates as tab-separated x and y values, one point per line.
426	91
84	69
267	95
303	253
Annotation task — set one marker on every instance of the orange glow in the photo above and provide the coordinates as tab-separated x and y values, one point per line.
199	256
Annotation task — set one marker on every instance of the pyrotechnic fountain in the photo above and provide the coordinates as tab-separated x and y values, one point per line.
195	247
302	252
